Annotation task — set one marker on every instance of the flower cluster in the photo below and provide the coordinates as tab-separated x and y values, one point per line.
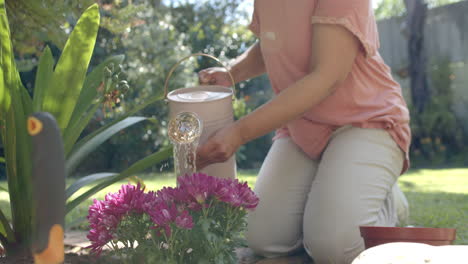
199	207
200	188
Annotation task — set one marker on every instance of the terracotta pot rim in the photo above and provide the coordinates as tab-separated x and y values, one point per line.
408	233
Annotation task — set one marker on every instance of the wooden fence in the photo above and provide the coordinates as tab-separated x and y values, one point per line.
446	39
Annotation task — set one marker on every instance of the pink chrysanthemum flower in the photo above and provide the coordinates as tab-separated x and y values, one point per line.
237	194
171	207
198	186
105	216
248	198
168	208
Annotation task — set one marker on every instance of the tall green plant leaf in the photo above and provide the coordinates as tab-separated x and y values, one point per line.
5	61
82	149
71	135
70	72
2	160
5	228
25	99
89	91
16	141
43	78
86	181
137	167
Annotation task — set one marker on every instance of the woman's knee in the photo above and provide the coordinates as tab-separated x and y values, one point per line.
340	246
272	241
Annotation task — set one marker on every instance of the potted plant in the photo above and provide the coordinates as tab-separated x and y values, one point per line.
199	221
377	235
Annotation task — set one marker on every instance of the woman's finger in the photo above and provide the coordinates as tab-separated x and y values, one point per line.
202	77
202	158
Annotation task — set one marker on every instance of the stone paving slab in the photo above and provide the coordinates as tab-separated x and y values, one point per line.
76	239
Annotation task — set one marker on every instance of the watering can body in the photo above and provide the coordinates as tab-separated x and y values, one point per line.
213	106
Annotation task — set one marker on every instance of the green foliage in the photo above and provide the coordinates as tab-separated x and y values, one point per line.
16	141
45	21
73	97
214	28
135	168
390	8
70	71
157	39
438	139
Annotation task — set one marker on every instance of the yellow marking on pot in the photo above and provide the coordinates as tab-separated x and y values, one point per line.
34	126
54	253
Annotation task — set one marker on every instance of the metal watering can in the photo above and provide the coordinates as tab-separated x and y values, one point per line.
212	106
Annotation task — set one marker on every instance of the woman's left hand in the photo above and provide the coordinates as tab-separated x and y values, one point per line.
219	147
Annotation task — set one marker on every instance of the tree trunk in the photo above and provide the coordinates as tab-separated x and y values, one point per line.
416	19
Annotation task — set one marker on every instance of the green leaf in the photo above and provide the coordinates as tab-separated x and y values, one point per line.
83	148
2	160
5	96
73	134
70	136
89	91
44	74
136	167
5	228
86	181
16	141
6	62
70	72
26	100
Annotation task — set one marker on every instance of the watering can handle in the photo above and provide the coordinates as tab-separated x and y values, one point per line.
166	83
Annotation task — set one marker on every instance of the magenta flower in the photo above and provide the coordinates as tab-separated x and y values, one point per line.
198	186
104	216
164	214
168	209
247	196
237	194
184	220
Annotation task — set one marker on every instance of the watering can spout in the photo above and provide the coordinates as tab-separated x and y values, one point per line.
184	132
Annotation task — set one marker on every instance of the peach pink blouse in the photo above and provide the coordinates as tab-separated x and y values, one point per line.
368	98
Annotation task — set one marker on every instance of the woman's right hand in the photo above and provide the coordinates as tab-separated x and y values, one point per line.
220	146
215	76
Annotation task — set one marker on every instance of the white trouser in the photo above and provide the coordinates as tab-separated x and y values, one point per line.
319	205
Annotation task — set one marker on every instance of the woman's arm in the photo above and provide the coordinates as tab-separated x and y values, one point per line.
246	66
334	49
249	64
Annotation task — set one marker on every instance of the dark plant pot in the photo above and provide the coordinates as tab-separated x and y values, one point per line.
377	235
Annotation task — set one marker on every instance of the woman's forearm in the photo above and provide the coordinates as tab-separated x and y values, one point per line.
288	105
248	65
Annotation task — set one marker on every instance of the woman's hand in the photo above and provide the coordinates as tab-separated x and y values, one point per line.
220	146
215	76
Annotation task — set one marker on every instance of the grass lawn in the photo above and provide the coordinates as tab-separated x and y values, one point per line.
438	198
